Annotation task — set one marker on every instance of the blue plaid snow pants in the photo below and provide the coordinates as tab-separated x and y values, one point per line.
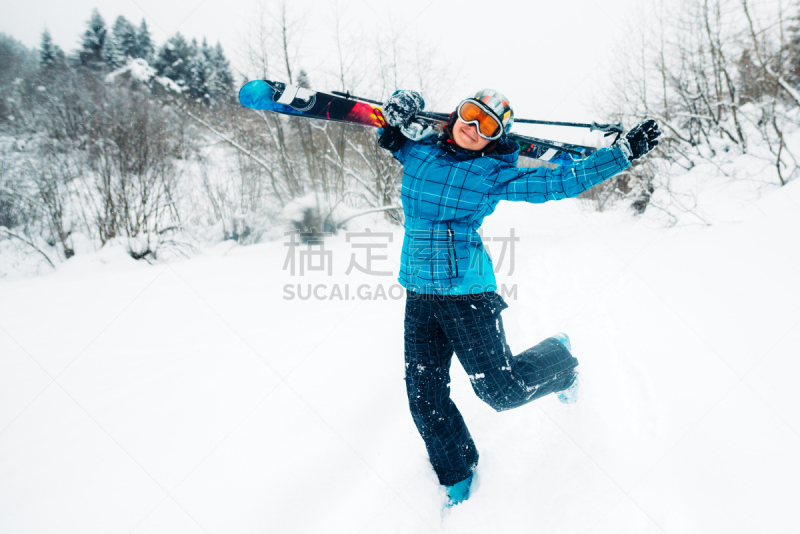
470	325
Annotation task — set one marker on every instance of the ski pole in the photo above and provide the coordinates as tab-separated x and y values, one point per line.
352	97
432	115
608	128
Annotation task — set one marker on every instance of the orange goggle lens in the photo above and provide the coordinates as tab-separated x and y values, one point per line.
488	127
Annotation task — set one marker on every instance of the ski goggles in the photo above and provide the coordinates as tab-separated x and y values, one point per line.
471	112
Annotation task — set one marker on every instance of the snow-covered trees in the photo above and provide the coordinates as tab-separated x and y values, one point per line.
92	43
222	79
133	169
201	71
17	64
719	77
50	54
126	42
90	154
172	60
123	44
145	48
119	141
16	60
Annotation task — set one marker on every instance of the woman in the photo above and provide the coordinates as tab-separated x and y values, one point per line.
453	179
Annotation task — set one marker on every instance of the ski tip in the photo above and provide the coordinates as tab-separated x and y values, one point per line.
253	94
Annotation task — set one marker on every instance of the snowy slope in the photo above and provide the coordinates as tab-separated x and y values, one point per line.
191	397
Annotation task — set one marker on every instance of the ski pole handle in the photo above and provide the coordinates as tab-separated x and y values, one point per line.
610	129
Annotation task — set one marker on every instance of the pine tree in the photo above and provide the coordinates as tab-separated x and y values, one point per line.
217	78
223	68
93	42
47	52
145	50
50	54
173	61
124	43
199	71
203	71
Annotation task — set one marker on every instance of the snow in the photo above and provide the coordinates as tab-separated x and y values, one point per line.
189	396
140	70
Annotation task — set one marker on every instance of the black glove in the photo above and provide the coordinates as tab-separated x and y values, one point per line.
642	138
401	107
392	139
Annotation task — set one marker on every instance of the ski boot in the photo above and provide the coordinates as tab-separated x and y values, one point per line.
458	492
563	338
569	395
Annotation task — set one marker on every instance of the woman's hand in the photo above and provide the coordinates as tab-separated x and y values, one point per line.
640	140
392	139
401	107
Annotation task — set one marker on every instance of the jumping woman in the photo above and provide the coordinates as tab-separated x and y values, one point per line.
453	179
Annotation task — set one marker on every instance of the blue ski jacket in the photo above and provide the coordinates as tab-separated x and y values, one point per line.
446	195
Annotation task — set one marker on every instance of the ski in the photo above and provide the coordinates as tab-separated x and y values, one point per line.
527	143
296	101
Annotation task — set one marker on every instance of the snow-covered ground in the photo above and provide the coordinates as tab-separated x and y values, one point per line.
190	396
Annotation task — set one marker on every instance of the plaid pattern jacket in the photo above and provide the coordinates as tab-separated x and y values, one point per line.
446	196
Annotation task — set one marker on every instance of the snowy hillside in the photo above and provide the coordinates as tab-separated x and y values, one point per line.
190	396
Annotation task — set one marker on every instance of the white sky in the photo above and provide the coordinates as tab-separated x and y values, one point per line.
545	56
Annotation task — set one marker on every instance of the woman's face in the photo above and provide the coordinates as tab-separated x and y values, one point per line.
466	136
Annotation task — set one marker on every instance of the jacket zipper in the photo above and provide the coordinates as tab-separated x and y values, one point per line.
453	261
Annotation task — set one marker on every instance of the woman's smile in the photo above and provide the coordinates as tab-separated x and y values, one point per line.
466	136
466	130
